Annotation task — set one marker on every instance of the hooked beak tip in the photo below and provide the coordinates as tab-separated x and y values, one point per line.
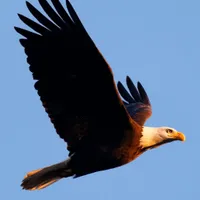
180	136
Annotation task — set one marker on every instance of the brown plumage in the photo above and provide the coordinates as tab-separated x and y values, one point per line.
77	90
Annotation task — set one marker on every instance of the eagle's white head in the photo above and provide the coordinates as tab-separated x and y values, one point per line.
153	137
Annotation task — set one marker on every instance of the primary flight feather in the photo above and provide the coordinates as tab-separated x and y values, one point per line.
77	89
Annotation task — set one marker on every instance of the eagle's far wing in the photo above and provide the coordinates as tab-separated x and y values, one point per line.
74	82
136	102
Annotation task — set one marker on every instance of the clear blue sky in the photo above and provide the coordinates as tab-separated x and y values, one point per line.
155	42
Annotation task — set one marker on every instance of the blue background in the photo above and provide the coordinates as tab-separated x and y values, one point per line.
155	42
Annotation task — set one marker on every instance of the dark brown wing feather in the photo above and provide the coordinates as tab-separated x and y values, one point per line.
74	82
137	102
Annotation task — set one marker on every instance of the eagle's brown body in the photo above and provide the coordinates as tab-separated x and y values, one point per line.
96	156
77	89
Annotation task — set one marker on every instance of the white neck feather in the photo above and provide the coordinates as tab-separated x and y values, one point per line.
150	136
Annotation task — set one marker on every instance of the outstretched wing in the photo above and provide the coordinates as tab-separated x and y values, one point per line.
136	102
70	72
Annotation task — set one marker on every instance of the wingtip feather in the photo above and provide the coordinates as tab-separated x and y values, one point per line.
29	6
128	78
124	93
143	94
28	3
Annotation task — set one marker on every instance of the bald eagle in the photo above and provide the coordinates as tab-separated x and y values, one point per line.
77	89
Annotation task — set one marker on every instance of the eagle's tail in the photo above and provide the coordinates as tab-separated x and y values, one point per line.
41	178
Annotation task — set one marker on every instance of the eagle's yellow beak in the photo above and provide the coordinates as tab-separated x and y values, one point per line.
179	136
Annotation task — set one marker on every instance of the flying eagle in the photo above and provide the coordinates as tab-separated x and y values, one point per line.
77	89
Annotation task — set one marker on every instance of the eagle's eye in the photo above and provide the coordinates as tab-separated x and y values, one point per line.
169	130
